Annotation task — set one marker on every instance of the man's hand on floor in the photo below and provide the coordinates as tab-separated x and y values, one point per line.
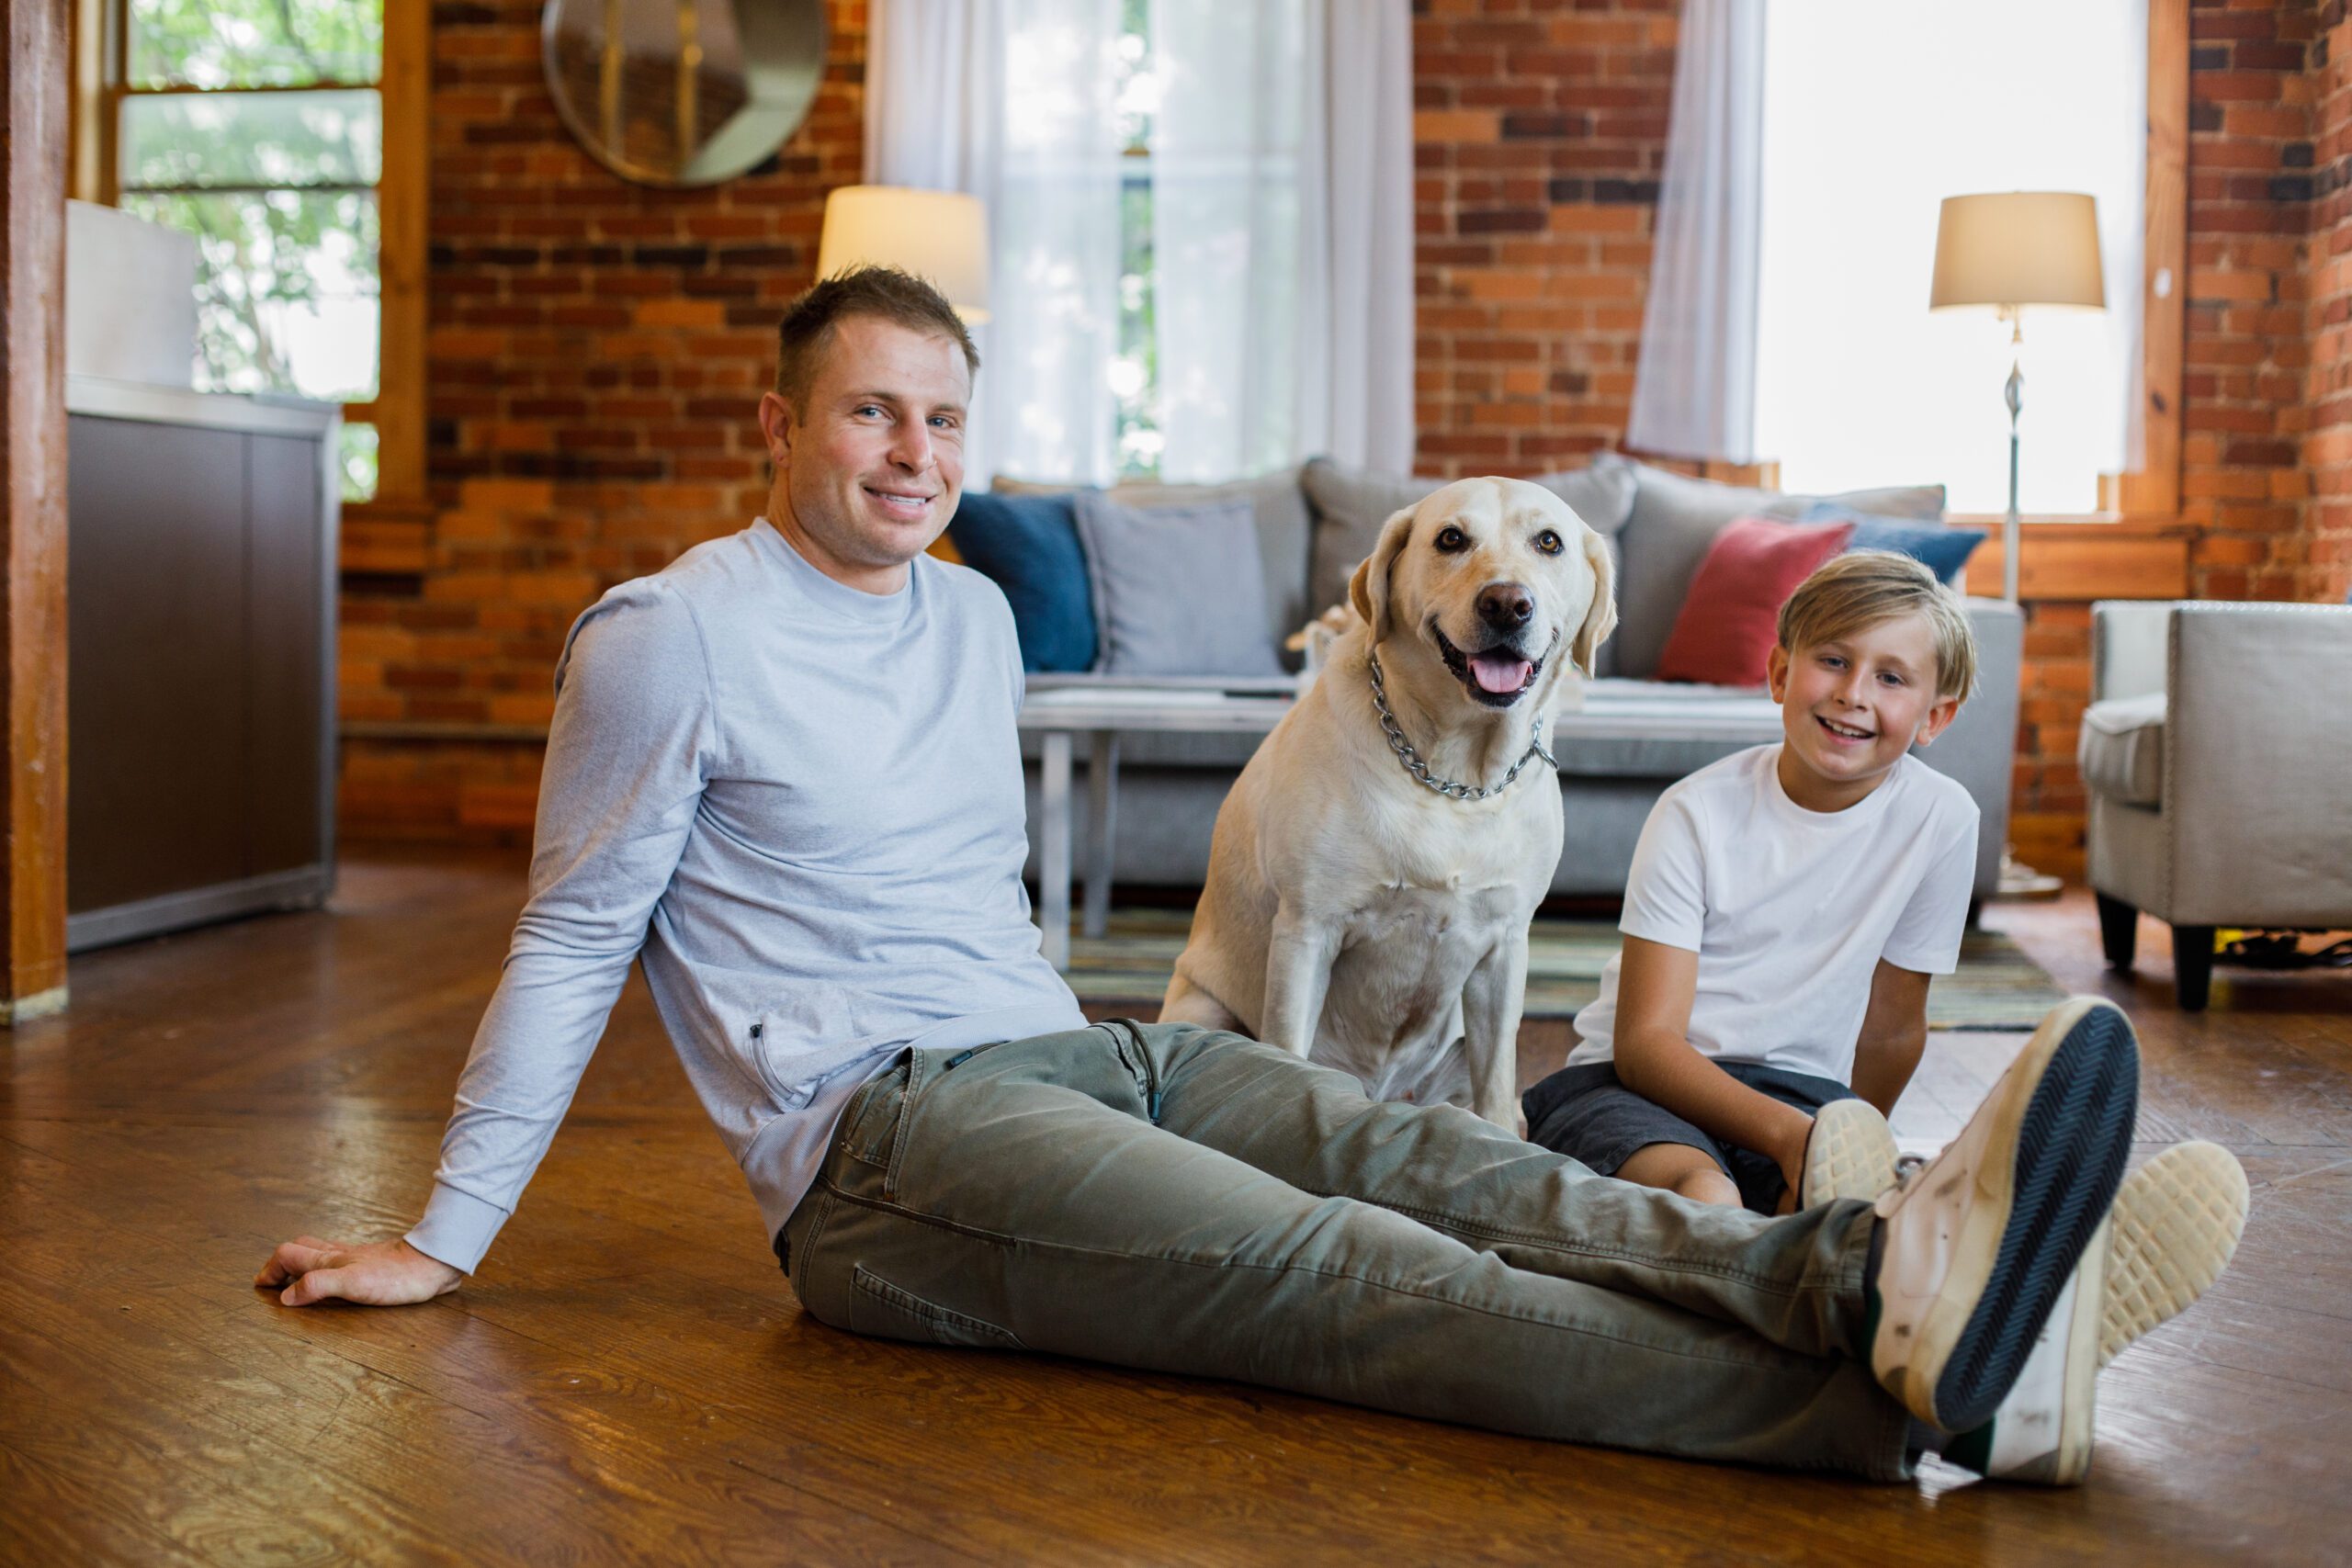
379	1273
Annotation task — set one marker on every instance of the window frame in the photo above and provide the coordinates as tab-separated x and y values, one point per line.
2148	495
100	71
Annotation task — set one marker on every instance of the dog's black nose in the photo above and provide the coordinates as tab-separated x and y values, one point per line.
1505	607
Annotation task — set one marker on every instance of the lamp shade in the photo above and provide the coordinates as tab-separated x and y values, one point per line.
939	236
2019	247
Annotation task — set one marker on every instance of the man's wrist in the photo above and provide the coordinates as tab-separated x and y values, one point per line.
447	1270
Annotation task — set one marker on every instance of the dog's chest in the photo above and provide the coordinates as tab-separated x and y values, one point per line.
1406	952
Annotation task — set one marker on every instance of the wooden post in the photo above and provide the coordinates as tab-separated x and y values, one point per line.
33	76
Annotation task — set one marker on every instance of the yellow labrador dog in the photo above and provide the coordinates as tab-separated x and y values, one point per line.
1376	866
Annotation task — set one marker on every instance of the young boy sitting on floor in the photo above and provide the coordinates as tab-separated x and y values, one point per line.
1786	908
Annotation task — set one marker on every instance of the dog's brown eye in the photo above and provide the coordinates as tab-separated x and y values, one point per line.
1451	539
1548	542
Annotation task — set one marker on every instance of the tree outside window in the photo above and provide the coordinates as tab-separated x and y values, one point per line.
1135	372
257	126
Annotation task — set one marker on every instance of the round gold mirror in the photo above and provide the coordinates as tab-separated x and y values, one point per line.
683	92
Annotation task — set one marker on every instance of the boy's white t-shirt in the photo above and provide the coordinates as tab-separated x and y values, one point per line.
1789	910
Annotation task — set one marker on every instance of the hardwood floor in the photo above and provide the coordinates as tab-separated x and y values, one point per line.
630	1378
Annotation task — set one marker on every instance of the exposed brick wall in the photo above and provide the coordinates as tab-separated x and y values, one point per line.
1540	135
597	350
2247	356
2326	568
2243	413
595	346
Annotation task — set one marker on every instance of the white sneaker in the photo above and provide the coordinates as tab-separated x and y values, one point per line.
1850	1154
2175	1225
1977	1245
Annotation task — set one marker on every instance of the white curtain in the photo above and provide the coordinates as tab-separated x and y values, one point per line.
1858	383
1694	389
1010	101
1282	233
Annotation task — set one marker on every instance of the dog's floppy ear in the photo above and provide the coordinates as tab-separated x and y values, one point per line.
1600	616
1368	589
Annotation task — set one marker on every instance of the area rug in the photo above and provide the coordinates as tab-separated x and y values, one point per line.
1998	985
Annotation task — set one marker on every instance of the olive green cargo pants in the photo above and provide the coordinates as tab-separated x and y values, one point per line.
1183	1199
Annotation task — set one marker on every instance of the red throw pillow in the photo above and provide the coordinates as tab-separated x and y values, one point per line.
1730	618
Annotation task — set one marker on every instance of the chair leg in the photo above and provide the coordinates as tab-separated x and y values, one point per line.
2118	930
2192	965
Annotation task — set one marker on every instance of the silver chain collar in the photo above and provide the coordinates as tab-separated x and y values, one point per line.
1420	770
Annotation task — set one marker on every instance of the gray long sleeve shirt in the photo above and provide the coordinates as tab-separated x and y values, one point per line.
802	804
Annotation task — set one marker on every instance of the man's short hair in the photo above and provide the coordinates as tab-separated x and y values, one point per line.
901	298
1860	589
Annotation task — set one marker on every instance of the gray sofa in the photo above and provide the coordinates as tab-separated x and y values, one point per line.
1632	736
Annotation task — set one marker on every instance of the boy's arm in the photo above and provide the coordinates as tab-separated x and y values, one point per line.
1655	984
1895	1032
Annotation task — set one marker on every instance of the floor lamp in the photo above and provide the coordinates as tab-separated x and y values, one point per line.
2009	250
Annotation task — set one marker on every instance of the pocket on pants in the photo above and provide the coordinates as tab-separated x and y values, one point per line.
881	1309
873	1118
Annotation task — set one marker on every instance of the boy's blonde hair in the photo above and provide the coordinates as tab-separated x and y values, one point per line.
1862	588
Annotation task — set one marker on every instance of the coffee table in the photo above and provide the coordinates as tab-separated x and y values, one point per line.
1058	710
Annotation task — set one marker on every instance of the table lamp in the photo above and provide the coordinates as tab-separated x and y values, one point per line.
938	235
2009	250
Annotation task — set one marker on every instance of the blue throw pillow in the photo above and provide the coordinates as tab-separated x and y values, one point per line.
1028	546
1940	549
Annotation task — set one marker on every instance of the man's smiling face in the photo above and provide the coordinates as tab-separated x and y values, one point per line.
868	473
1852	707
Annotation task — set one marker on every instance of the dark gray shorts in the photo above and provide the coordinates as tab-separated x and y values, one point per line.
1585	1114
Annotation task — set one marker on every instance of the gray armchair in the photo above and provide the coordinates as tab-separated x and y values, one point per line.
2216	759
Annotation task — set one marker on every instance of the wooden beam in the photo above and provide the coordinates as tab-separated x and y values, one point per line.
2090	560
34	72
90	142
2154	488
400	201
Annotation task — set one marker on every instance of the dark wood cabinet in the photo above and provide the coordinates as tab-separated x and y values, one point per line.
199	598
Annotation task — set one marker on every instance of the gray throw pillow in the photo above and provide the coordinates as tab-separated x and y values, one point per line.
1276	504
1350	505
1675	519
1178	589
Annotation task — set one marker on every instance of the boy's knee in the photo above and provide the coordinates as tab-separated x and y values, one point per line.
1682	1170
1709	1186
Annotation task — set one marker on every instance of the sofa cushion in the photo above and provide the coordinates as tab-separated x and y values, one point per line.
1674	519
2122	748
1275	505
1177	589
1028	547
1729	622
1939	546
1349	505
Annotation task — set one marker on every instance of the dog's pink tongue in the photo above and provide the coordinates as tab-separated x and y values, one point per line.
1500	675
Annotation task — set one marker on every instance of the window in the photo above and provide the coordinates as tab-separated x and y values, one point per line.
258	127
1135	370
1858	383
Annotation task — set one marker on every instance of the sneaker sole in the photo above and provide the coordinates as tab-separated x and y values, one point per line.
2175	1225
2038	1205
2178	1221
1850	1155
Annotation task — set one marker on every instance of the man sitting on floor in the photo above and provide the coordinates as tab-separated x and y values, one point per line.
785	772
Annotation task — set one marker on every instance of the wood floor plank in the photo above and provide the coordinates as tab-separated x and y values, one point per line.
629	1375
53	1516
540	1463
